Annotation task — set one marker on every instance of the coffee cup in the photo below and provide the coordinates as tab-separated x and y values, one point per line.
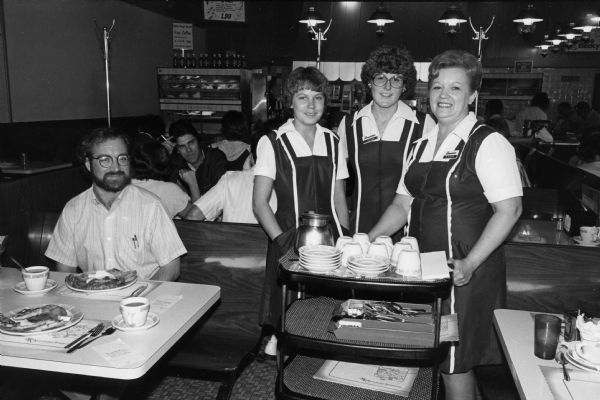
398	248
342	241
409	264
379	250
363	239
412	241
387	241
351	249
588	234
135	311
35	277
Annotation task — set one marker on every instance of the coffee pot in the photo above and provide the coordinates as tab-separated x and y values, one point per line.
314	229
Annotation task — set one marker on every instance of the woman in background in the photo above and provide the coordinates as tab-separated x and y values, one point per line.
150	163
376	139
235	144
302	162
461	193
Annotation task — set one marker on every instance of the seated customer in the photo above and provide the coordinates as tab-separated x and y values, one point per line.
234	129
114	224
200	167
588	119
232	196
150	162
536	111
493	117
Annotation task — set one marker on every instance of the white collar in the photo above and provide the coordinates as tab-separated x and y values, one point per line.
289	127
462	130
403	111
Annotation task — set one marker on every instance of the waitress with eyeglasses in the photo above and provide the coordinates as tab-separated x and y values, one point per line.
377	138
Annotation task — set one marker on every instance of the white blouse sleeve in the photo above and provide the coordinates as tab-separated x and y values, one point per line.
342	166
496	168
265	159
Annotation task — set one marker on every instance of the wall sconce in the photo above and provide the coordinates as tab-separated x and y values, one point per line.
527	19
452	18
380	17
312	19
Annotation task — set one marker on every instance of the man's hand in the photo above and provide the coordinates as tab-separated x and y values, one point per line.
187	176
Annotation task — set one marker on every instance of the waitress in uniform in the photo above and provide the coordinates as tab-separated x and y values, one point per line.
377	138
302	162
461	193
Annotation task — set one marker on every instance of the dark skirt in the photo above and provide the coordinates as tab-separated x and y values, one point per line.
475	304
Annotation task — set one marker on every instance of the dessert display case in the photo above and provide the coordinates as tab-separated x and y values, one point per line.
205	94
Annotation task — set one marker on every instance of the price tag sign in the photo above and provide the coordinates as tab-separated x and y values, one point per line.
226	11
183	36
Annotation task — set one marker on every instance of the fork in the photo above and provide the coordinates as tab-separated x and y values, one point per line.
96	331
107	332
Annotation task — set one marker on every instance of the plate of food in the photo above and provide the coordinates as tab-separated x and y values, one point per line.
41	319
101	281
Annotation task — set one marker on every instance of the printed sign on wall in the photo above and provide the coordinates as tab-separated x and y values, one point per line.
227	11
183	36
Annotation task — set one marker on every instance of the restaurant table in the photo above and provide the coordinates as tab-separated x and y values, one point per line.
189	302
537	379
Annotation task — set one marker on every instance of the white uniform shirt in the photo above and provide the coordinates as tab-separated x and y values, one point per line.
135	234
265	163
495	155
172	197
392	131
232	196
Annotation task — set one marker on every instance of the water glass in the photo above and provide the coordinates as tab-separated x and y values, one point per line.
546	333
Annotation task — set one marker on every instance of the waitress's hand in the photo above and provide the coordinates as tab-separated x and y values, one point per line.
463	271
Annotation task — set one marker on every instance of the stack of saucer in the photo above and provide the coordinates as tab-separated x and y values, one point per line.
319	258
367	265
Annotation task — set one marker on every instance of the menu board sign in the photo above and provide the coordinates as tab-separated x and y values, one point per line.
183	37
226	11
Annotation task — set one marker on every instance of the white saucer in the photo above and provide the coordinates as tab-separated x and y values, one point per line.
21	288
151	320
580	242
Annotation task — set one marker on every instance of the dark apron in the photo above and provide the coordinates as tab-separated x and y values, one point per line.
314	180
376	167
456	233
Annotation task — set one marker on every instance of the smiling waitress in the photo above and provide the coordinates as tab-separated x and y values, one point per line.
302	162
377	138
461	193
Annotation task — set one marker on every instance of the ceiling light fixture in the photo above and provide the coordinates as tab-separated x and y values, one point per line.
452	18
527	19
312	19
381	17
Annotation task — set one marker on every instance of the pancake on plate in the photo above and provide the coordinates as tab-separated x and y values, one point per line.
101	280
35	319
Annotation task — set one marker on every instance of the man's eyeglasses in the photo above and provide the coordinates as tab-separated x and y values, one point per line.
106	161
397	81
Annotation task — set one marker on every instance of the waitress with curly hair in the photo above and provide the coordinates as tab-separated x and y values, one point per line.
302	162
377	138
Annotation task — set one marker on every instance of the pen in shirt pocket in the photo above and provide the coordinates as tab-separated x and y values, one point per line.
134	239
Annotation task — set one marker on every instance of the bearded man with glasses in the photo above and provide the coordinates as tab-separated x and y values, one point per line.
113	224
376	139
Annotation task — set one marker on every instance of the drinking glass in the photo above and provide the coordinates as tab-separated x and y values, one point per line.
546	333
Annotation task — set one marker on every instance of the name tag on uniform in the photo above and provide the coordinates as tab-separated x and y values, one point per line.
369	139
451	155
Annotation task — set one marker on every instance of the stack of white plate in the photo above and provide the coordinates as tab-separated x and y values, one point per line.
585	355
368	265
320	258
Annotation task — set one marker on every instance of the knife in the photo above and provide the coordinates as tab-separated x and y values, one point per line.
107	332
98	328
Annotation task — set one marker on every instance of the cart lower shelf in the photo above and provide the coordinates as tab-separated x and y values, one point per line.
300	384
